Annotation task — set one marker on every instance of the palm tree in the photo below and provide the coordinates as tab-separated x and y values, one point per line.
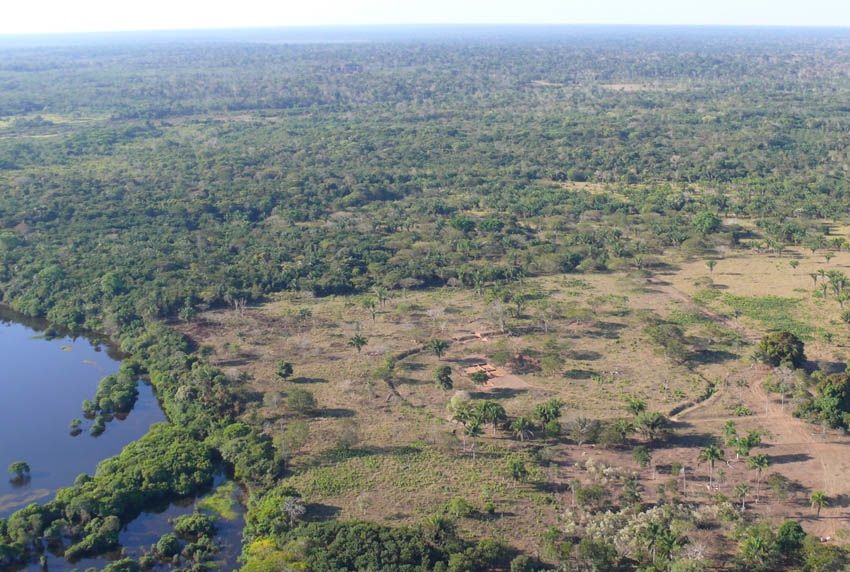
492	412
741	491
730	433
381	295
742	447
523	428
464	414
758	463
814	277
756	550
371	305
439	347
357	341
650	536
473	430
548	410
651	424
623	428
660	541
635	405
710	455
819	500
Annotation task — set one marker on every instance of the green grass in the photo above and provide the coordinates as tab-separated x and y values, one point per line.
775	312
221	502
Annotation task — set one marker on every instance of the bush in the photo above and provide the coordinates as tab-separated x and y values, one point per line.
168	545
781	349
265	516
123	565
790	537
284	370
459	507
597	555
301	401
347	435
522	563
193	526
479	377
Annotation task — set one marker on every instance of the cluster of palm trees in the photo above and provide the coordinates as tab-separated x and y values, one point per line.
833	280
742	445
473	416
545	416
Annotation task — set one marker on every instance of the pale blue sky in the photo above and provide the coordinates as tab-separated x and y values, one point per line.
28	16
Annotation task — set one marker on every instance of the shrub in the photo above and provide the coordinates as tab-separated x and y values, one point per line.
522	563
301	400
193	526
459	507
168	545
284	370
781	349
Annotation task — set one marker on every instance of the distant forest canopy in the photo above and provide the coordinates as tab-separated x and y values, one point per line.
145	181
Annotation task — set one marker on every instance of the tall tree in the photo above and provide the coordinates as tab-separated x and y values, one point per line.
711	455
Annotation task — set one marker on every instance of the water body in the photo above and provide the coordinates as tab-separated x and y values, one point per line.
43	382
137	536
44	378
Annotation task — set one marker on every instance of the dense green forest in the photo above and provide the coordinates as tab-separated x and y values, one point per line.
179	176
143	184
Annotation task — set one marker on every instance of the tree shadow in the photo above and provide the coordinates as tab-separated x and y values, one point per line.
411	366
583	355
318	512
790	458
498	393
468	361
550	488
711	357
336	413
610	327
234	362
308	380
580	374
824	365
687	440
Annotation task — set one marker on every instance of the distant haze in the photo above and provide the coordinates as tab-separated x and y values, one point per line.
63	16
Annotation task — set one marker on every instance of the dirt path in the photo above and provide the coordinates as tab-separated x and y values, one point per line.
678	295
802	453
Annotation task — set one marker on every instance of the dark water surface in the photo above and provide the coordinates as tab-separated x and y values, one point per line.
43	383
137	536
44	378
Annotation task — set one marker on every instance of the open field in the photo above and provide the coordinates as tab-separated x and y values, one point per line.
411	458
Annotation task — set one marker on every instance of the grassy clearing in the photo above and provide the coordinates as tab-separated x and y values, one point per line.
221	501
410	461
771	292
772	312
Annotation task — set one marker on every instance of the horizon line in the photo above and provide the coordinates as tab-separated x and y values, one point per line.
389	25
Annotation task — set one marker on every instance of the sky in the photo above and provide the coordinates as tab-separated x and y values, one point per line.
54	16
